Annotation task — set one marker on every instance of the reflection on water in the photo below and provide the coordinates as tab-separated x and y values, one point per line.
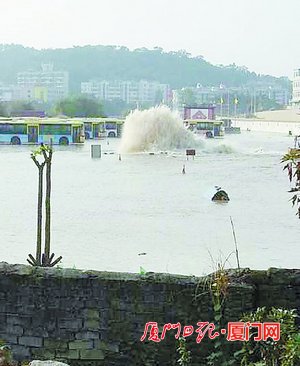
107	211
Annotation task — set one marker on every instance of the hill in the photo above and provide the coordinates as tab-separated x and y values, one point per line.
178	69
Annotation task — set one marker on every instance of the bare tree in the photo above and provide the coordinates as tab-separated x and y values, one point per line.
45	259
37	260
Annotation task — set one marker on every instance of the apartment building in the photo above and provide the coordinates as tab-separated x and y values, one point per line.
6	92
142	91
45	85
296	89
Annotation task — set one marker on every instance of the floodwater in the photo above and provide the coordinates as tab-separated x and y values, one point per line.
106	212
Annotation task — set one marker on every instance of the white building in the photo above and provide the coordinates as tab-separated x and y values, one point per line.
44	85
296	89
129	91
6	92
10	92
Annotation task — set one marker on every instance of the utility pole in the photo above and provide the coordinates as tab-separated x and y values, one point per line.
228	103
221	106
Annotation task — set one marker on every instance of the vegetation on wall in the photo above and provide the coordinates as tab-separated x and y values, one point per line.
284	352
292	160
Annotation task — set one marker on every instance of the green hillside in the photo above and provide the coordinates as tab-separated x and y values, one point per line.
178	69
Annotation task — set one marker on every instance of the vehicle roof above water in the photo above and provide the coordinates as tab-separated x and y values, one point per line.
102	119
195	121
40	121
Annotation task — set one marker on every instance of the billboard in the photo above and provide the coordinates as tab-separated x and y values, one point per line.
201	112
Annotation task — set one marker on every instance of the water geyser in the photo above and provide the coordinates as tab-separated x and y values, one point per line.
157	128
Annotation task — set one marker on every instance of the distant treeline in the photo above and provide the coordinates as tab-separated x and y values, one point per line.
178	69
78	106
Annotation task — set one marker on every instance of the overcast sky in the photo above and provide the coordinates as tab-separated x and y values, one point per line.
263	35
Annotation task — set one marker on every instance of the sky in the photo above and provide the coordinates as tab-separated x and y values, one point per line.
262	35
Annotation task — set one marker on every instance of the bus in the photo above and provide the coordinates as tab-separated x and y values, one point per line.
40	130
93	128
209	128
102	127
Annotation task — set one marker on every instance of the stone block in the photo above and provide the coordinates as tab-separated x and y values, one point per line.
55	344
115	303
92	324
93	301
65	334
106	346
73	324
21	320
36	332
14	330
31	341
81	344
11	339
26	309
49	324
43	353
87	335
70	354
94	354
91	314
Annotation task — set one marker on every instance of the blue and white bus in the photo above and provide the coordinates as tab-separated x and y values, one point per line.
102	127
208	128
16	131
93	128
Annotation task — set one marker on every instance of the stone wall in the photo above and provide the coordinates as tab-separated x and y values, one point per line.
98	318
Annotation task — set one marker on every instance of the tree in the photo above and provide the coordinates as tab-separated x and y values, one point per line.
79	107
292	158
116	107
187	96
16	107
40	167
45	259
3	110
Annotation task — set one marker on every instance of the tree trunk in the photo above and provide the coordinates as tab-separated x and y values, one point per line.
39	217
48	207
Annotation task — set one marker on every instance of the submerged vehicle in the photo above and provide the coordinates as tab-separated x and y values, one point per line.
19	131
102	127
229	129
208	128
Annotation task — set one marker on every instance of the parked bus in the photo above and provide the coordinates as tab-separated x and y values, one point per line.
93	128
38	130
102	127
209	128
